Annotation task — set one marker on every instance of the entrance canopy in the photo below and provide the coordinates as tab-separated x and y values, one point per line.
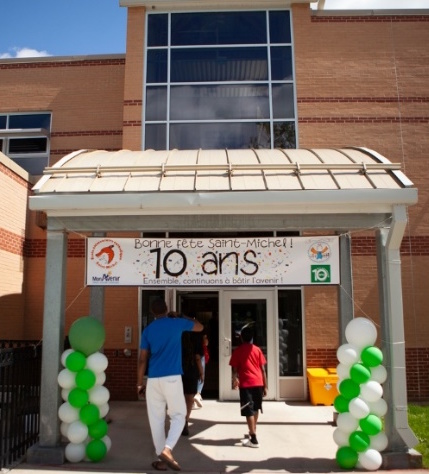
186	189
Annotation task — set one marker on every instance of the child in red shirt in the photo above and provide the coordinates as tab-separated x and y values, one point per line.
248	371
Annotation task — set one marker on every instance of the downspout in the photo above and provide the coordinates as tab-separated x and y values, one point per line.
393	337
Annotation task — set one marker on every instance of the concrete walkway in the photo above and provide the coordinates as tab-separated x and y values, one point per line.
293	437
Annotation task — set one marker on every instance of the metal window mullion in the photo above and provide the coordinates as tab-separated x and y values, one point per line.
270	92
167	123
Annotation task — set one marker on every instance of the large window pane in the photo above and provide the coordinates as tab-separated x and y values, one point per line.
219	135
218	28
156	66
283	101
27	145
157	30
280	27
30	121
2	121
284	135
281	63
219	102
156	137
219	64
156	103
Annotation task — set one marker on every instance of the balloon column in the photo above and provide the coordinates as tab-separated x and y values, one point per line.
85	397
360	405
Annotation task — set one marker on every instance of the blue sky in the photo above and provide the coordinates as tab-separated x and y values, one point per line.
32	28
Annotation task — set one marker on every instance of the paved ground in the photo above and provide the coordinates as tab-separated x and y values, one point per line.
294	437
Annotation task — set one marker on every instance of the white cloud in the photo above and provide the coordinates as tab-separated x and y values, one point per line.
24	53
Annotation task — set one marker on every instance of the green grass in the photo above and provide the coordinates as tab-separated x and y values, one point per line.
418	419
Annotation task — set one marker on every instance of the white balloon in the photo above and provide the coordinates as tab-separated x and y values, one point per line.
359	408
348	354
379	407
75	452
66	379
370	459
67	413
361	332
347	422
64	356
77	432
341	438
343	371
65	393
97	362
379	441
107	441
379	373
104	410
63	428
100	378
371	391
99	395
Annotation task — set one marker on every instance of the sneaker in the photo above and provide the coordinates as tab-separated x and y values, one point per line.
195	406
198	400
249	443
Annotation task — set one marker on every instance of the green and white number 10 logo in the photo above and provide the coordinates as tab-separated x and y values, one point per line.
320	273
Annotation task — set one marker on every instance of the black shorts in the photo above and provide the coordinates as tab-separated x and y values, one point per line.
251	400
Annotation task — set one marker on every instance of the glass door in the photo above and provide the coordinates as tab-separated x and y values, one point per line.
244	308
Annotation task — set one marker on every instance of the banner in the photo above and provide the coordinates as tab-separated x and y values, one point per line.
252	261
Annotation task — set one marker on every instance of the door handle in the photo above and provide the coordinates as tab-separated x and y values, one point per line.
226	347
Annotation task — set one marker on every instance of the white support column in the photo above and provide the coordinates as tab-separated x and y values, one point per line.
345	290
401	439
49	450
96	295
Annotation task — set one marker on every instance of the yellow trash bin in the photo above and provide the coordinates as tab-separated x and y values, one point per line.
323	385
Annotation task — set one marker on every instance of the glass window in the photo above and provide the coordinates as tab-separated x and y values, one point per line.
233	101
156	103
30	121
218	28
280	27
156	66
227	80
290	333
188	136
29	152
157	30
156	138
281	63
219	64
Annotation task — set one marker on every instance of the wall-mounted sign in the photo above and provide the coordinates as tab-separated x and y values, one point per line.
252	261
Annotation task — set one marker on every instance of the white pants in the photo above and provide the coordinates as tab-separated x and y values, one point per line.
165	393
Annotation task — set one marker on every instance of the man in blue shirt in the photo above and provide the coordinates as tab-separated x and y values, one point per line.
161	352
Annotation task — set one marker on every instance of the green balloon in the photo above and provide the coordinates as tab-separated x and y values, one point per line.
89	414
371	425
359	373
87	335
371	356
78	397
346	457
349	389
75	361
96	450
341	404
98	429
85	379
359	441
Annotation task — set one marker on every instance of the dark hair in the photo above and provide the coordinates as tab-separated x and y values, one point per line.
159	307
247	334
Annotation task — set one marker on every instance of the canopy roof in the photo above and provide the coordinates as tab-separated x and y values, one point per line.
222	182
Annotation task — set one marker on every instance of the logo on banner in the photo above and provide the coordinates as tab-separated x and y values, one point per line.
320	273
106	253
319	251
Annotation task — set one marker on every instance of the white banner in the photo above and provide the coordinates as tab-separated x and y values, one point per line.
253	261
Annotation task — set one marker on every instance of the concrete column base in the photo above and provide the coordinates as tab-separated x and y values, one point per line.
410	459
37	454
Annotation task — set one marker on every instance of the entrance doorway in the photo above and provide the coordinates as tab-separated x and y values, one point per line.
246	308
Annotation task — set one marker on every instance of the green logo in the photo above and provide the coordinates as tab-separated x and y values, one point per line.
320	273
